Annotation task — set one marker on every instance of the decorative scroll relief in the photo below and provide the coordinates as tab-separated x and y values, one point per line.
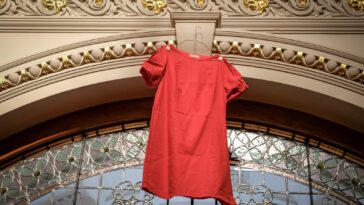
234	48
270	8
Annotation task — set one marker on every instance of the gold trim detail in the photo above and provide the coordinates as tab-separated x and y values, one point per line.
2	3
54	4
154	5
256	5
236	48
99	3
200	3
303	3
357	5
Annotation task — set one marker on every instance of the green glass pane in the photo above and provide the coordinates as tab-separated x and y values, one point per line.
291	163
278	144
66	168
99	158
325	176
62	157
255	154
32	184
132	152
358	192
95	145
313	169
351	172
296	150
131	138
258	141
2	199
331	163
46	176
6	181
76	151
115	155
84	164
25	171
315	156
303	172
241	151
344	184
275	159
112	141
14	193
41	163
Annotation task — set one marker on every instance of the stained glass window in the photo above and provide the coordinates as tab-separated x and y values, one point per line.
107	169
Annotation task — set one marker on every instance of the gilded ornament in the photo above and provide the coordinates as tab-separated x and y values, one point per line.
321	62
357	5
302	3
298	57
155	5
2	190
2	3
36	173
256	5
200	2
54	4
256	51
3	83
278	54
66	62
99	2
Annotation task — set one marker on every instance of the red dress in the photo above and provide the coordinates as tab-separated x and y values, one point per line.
187	153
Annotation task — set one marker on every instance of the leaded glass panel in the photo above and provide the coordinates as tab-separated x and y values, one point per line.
264	169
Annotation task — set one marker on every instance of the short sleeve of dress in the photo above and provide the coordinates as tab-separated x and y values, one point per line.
153	68
234	83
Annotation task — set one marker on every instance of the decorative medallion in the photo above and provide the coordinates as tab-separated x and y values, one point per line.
256	5
155	5
53	4
2	3
357	5
200	3
303	3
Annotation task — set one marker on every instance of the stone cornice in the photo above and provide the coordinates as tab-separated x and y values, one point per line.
106	24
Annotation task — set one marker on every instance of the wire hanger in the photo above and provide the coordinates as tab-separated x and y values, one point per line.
196	40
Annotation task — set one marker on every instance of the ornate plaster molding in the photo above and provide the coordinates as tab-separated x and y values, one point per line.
127	8
313	63
291	57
